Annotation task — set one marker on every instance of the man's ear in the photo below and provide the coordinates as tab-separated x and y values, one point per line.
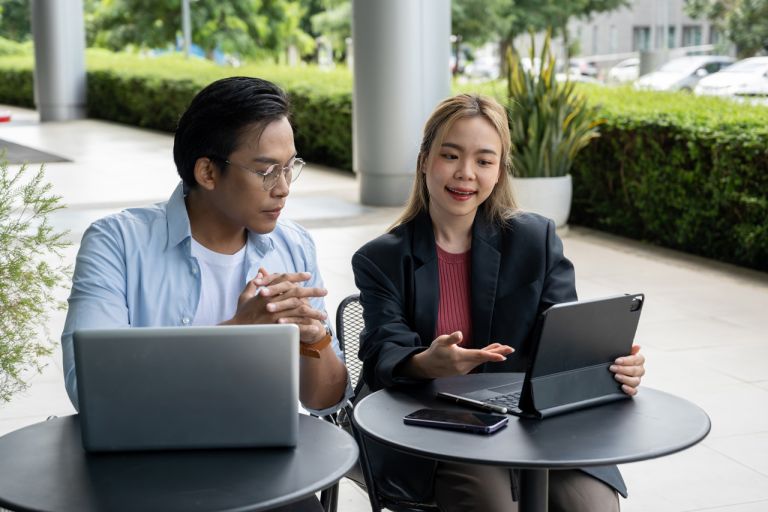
206	173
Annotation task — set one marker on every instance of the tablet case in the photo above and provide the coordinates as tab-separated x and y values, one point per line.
576	345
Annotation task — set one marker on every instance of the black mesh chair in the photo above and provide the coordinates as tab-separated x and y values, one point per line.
349	326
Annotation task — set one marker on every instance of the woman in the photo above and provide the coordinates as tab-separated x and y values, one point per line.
456	286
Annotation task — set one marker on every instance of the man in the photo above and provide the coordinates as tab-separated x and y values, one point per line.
216	252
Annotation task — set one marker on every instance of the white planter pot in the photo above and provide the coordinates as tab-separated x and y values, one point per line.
550	197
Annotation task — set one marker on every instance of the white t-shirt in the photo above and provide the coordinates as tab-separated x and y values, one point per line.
222	278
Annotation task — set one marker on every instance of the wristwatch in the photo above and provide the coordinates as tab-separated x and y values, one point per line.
313	349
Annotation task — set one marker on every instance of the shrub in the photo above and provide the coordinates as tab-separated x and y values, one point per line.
153	92
684	172
28	279
16	81
9	47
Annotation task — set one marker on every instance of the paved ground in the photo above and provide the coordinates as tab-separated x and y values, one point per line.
703	329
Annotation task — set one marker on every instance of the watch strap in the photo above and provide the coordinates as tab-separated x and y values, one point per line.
313	349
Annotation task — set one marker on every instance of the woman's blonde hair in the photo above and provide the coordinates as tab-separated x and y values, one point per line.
500	205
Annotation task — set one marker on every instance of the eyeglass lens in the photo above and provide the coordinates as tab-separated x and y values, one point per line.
291	173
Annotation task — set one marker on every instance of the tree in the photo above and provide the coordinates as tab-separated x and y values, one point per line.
521	16
14	20
743	22
471	22
247	27
335	24
284	22
481	21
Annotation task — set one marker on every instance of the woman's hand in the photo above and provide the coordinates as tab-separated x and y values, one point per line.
444	358
629	370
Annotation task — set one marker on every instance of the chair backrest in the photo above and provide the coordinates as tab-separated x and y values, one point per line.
349	325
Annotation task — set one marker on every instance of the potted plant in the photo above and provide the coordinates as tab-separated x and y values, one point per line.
550	122
31	271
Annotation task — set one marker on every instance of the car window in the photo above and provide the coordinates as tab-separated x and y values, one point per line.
712	67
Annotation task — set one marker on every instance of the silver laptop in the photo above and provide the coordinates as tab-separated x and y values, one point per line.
188	387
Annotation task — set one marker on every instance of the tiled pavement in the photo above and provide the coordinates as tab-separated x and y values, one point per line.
703	329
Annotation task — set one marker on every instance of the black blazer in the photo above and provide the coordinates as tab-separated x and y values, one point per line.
518	271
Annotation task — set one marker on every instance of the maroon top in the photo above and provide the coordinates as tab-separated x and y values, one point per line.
453	312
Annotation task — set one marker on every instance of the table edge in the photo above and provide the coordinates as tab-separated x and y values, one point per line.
547	464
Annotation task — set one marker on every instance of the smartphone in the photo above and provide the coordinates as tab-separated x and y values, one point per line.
467	421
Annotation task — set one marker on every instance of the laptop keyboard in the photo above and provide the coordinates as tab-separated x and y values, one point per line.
508	400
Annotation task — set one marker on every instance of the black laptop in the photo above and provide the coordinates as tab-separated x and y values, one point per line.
577	342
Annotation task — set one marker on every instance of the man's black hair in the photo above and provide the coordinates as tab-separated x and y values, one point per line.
215	119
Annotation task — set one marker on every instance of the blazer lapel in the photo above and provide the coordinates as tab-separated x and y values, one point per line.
486	259
426	280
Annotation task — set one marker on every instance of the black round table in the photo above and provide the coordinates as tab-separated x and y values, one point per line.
652	424
43	468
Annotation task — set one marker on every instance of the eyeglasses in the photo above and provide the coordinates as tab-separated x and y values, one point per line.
271	175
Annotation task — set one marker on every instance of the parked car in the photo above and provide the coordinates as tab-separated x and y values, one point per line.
625	71
582	67
683	74
486	68
745	79
575	76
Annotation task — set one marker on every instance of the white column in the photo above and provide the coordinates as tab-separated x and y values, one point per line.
186	26
59	40
401	71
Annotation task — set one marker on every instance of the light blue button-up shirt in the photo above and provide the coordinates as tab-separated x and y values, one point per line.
136	269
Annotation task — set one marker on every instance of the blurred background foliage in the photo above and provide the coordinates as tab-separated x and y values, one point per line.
743	22
259	29
266	29
678	170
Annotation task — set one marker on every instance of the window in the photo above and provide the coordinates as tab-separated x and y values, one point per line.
671	36
659	36
715	36
641	39
614	39
692	35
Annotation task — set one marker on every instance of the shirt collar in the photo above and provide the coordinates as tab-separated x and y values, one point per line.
177	217
179	228
259	245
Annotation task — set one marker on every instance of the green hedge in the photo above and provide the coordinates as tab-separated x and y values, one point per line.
16	83
152	93
679	171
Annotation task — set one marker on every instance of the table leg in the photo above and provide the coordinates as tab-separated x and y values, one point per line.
534	490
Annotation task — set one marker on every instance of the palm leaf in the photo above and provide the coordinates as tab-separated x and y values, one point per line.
549	122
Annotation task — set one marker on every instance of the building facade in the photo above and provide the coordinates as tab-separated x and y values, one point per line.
645	25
